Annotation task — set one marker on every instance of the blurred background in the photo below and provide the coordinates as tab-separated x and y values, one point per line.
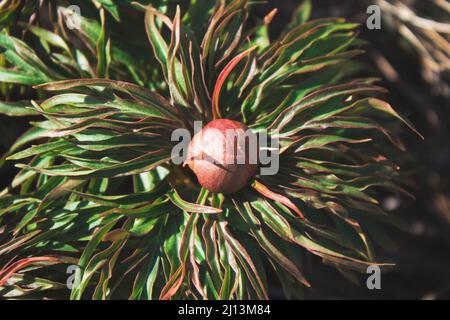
411	55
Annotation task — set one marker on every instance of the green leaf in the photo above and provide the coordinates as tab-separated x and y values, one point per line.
16	109
302	14
190	207
11	76
103	50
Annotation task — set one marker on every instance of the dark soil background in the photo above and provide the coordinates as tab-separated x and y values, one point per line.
422	253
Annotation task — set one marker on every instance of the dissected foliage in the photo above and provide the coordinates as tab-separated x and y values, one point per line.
425	27
96	187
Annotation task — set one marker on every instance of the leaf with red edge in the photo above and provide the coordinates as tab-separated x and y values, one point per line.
258	186
191	207
223	76
173	284
8	271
